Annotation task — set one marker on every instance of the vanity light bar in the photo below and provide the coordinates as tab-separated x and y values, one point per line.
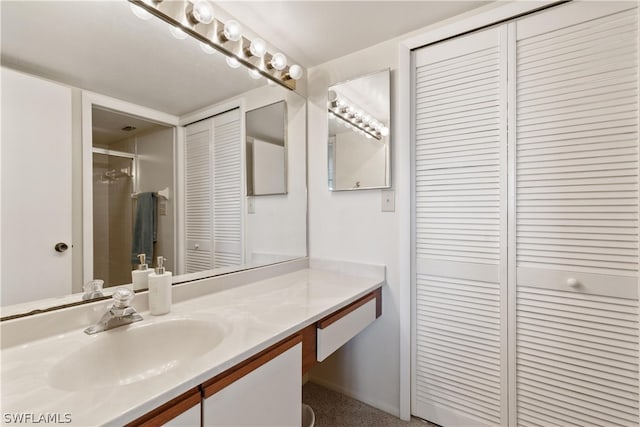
356	117
211	32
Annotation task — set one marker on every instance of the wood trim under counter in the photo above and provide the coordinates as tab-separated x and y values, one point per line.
168	411
334	317
307	336
231	375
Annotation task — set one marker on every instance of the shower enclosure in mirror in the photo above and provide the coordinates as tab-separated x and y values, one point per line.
359	126
133	159
70	193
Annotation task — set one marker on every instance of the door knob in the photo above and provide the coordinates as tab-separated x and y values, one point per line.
61	247
573	282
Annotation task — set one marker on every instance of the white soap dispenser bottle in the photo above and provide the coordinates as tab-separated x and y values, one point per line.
160	289
140	277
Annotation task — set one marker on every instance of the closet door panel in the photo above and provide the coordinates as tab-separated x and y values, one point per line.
459	370
227	190
213	188
198	198
576	217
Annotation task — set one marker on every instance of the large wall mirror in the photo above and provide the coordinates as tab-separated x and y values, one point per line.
131	114
359	127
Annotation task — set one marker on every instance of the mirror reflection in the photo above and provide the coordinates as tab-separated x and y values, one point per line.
133	180
359	143
117	127
266	150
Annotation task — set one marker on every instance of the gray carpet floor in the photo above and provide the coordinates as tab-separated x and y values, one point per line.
336	410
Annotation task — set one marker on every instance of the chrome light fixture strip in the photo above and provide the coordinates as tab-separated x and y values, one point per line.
174	13
374	134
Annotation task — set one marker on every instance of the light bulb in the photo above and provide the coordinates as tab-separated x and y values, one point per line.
279	61
178	33
202	12
384	131
254	73
258	48
232	62
206	48
232	31
295	72
139	12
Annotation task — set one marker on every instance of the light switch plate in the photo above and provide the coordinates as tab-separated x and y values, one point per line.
388	200
251	205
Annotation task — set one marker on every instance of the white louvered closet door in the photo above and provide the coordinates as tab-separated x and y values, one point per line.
213	189
576	222
227	190
459	326
198	197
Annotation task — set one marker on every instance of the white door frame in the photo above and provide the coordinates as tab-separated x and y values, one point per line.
89	100
475	19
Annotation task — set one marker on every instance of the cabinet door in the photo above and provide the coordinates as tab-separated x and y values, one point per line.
576	224
270	394
459	359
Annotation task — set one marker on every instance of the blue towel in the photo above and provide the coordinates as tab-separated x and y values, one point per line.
144	228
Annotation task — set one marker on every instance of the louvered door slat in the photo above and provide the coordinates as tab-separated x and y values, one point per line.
459	129
213	223
577	214
198	201
227	170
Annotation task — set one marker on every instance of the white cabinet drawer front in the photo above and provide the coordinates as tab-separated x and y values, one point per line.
267	396
339	332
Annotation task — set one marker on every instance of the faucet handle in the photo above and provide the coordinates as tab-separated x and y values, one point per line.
122	297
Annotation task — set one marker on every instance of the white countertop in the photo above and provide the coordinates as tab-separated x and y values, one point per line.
257	315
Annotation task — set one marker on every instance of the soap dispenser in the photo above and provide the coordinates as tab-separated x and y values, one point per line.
160	289
140	276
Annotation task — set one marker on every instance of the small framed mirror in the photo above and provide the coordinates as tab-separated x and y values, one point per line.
267	150
359	128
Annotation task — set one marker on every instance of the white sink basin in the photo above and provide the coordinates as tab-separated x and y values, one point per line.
135	353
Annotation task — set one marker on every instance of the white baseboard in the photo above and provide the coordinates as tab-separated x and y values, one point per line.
395	411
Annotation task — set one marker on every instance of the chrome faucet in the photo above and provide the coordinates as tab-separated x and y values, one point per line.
93	289
120	313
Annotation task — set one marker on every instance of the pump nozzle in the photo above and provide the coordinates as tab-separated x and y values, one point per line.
143	262
160	265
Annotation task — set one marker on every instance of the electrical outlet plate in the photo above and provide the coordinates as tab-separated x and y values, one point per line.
388	200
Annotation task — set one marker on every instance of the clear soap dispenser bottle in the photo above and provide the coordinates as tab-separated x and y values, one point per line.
160	289
140	276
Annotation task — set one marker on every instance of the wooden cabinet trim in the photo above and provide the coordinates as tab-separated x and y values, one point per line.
309	348
307	336
168	411
233	374
332	318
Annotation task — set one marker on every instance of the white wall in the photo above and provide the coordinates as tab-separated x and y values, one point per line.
278	226
268	166
349	226
359	161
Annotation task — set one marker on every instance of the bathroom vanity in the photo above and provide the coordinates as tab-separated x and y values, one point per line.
232	351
